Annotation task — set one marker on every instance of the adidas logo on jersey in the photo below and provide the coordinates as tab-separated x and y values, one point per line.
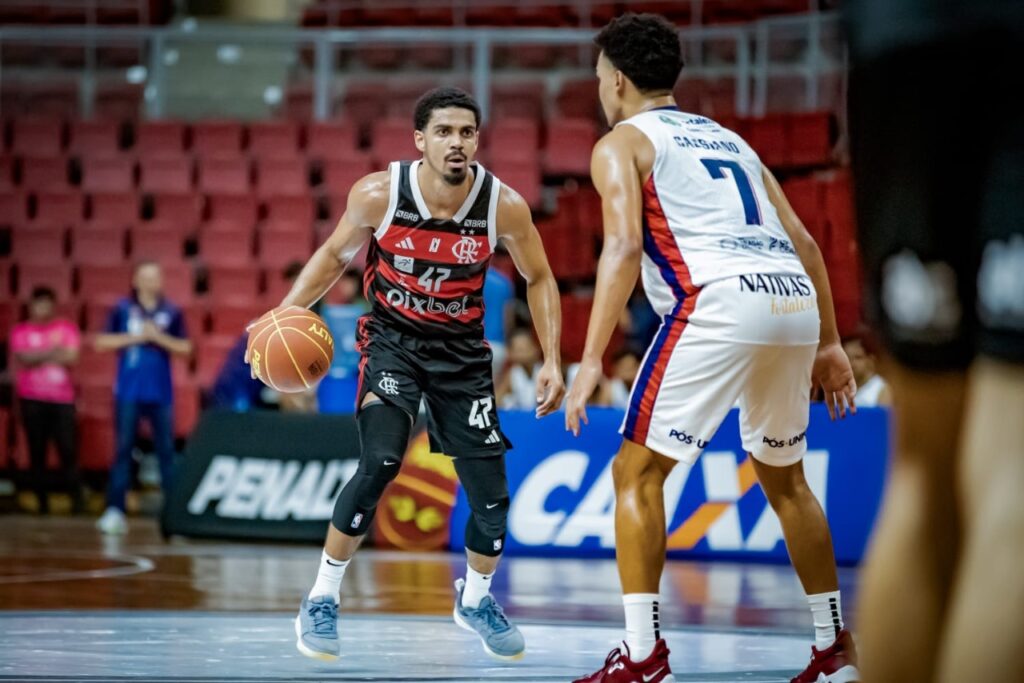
493	437
406	244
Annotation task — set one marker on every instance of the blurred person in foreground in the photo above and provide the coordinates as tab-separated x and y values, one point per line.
44	348
517	387
146	330
938	161
747	314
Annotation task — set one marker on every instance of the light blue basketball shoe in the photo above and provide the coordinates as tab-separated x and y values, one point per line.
501	639
316	628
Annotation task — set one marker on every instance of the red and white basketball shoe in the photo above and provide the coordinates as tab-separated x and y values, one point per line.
835	664
619	668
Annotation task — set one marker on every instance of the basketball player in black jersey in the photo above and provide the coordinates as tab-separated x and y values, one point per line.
432	225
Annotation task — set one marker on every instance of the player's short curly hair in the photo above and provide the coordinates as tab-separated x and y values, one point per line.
645	47
442	98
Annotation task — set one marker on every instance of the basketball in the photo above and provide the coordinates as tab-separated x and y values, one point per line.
290	349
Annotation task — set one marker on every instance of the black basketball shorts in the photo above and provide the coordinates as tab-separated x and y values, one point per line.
453	376
939	178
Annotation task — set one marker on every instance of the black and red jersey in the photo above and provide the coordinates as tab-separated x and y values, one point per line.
424	275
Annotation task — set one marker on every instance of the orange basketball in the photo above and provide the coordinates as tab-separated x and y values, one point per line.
290	349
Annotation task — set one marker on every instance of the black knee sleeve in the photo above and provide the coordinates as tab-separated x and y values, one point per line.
383	436
486	488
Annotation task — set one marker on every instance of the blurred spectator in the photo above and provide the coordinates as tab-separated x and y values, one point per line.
518	387
625	367
44	347
639	322
145	329
350	290
613	391
872	390
499	294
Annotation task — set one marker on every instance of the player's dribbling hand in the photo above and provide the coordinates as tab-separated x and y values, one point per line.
550	389
587	379
832	372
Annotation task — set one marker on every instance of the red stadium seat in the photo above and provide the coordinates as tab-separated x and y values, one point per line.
392	141
44	173
340	175
809	138
165	174
233	286
186	409
39	137
114	208
212	350
108	174
237	208
282	176
274	140
230	321
178	282
512	140
160	139
98	246
183	209
362	104
38	246
291	208
570	142
768	138
522	176
224	176
156	245
332	140
195	318
59	208
95	139
578	99
225	249
96	441
6	293
6	174
805	196
839	210
96	367
55	275
13	208
217	139
523	100
118	100
104	284
279	249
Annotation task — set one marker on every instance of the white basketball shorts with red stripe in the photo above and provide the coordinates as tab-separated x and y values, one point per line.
750	340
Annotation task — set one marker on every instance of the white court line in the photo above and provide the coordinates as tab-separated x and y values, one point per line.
137	565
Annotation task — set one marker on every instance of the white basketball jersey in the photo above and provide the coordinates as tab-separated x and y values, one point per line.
707	215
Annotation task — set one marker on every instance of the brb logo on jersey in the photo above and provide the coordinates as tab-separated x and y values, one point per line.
466	250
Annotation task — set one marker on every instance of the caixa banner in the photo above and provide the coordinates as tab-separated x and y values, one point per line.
563	500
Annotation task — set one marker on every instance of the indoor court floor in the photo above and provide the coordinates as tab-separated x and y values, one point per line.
76	606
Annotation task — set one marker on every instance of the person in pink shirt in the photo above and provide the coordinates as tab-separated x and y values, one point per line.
44	348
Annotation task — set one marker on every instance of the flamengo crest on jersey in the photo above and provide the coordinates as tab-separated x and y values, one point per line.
424	275
707	215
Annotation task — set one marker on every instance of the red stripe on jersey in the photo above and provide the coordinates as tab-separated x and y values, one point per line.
662	235
424	308
440	247
449	289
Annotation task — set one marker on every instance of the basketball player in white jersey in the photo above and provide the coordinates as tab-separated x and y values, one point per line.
747	316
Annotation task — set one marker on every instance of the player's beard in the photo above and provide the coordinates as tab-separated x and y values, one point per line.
455	178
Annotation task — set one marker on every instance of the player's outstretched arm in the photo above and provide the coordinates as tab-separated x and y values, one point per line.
832	369
613	167
367	204
517	231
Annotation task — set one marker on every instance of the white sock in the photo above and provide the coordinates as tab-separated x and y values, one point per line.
827	611
478	587
643	624
328	578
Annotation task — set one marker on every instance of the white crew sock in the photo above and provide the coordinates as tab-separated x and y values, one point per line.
478	587
643	624
827	611
328	578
